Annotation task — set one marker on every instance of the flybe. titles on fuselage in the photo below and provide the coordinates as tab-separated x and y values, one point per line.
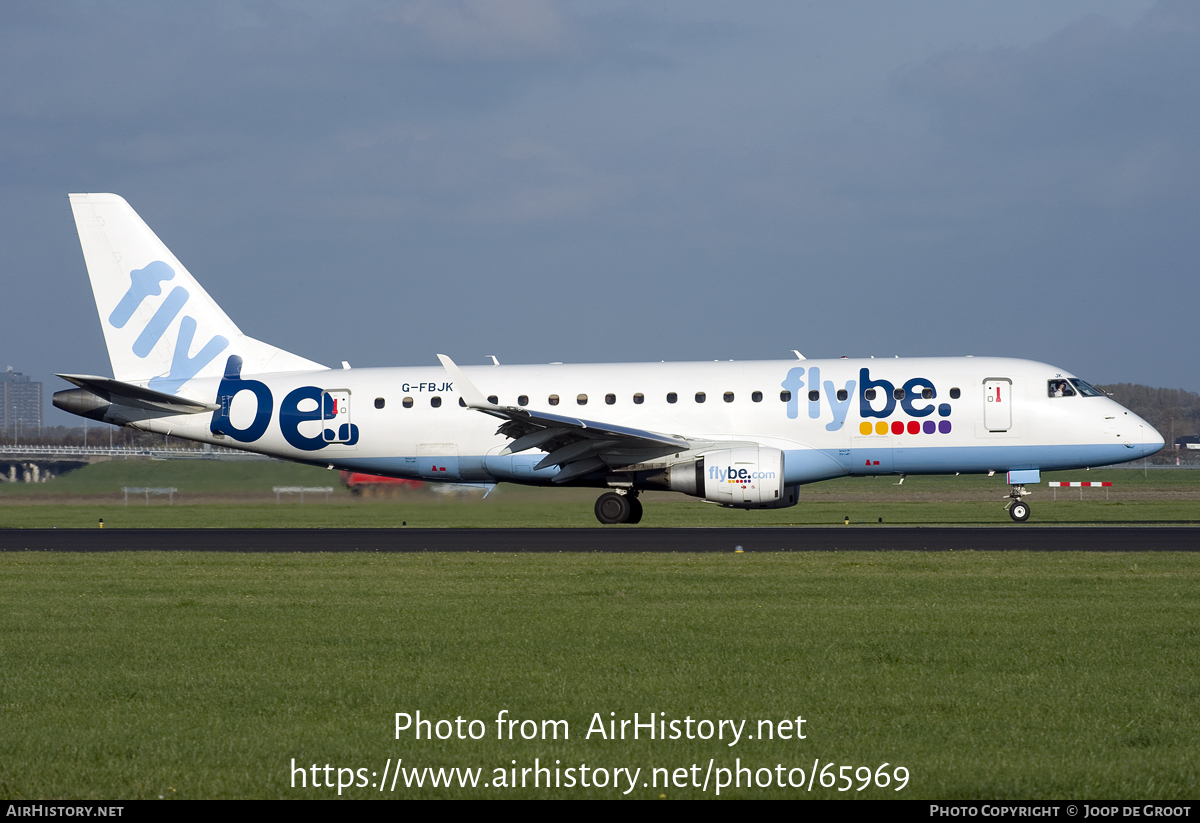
877	399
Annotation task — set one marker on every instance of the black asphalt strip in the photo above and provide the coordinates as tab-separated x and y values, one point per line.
613	539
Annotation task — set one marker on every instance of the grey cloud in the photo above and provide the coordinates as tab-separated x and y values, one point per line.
1107	114
609	180
489	29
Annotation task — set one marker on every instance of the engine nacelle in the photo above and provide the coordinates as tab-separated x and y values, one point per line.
750	477
81	402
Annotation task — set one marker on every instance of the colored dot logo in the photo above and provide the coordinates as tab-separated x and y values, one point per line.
899	427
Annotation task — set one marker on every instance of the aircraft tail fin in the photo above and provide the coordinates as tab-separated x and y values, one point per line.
161	327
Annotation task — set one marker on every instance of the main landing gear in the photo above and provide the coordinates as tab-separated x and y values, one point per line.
619	507
1018	509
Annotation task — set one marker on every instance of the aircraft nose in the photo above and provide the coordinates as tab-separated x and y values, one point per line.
1143	437
1152	441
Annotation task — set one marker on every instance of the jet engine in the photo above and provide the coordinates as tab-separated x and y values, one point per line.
748	477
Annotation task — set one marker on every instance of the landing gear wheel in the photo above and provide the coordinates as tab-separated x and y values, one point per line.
1019	511
613	508
635	510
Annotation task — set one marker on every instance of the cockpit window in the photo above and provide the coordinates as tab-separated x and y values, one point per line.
1058	387
1086	389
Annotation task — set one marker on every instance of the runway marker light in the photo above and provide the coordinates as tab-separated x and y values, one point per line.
738	550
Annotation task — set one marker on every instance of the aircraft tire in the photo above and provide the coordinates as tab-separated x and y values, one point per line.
1019	511
613	508
635	510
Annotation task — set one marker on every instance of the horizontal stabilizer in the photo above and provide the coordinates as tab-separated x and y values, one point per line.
137	397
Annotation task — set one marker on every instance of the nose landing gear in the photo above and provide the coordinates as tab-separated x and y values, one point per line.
619	507
1018	509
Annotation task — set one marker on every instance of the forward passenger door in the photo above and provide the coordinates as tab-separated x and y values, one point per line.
997	404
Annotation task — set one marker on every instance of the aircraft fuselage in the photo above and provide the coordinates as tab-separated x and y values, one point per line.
952	415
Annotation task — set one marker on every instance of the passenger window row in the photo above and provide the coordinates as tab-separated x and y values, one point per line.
611	399
672	397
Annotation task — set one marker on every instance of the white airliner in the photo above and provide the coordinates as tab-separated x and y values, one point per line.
739	434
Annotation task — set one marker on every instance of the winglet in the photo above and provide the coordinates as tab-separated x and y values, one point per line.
473	396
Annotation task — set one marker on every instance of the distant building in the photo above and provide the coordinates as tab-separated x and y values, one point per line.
1190	441
22	407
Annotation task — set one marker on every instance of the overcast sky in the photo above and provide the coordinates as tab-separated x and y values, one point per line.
594	181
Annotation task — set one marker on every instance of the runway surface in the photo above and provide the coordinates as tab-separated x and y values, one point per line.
870	538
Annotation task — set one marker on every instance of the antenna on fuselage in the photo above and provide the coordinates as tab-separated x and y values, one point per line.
799	356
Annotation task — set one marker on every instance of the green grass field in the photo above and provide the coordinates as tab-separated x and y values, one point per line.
216	494
1003	675
997	675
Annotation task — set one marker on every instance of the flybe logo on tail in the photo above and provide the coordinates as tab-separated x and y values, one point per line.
147	282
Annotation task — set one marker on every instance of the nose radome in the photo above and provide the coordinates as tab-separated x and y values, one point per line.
1152	441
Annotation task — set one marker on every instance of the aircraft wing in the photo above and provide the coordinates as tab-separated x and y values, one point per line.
576	445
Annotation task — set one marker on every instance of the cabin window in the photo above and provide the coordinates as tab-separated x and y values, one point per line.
523	400
1060	388
898	394
610	399
638	399
700	397
869	394
785	395
553	400
581	399
728	397
814	396
462	402
494	400
436	402
406	402
842	395
379	402
926	394
672	397
954	394
756	397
